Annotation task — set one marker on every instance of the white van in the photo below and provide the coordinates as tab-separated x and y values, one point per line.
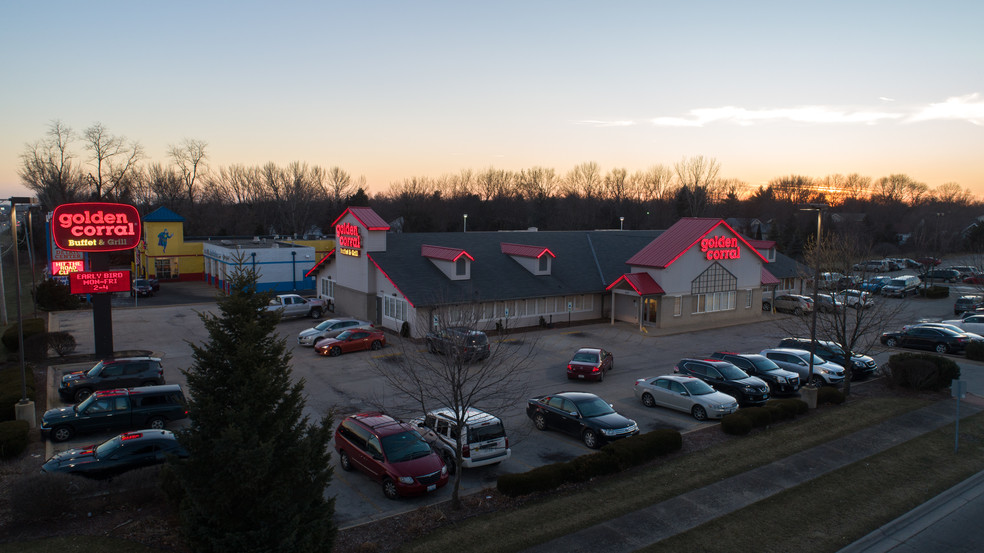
483	443
878	266
902	286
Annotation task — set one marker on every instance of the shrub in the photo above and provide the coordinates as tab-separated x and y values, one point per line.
62	342
758	416
935	292
779	412
589	466
31	327
405	330
922	371
539	479
975	351
789	406
36	347
13	438
641	448
736	424
55	296
11	388
829	394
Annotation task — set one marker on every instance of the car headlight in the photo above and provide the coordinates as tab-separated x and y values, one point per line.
409	479
824	371
444	470
781	379
609	431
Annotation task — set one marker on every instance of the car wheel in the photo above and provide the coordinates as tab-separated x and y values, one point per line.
766	306
389	489
540	421
344	461
648	400
335	351
699	412
316	313
156	423
818	381
62	433
891	342
798	311
942	348
376	345
449	462
81	394
590	439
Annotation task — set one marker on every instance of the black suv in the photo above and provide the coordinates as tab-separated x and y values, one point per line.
863	365
727	378
128	451
780	380
967	303
126	372
470	345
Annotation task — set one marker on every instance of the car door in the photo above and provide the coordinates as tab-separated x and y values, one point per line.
659	389
358	341
678	397
562	414
131	374
974	323
606	360
101	414
922	338
713	377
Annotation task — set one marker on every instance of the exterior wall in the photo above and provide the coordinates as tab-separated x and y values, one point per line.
450	269
532	264
276	268
627	307
352	272
165	241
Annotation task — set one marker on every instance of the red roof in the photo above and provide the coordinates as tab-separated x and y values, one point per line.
523	250
440	252
366	216
642	283
678	239
768	278
321	262
761	244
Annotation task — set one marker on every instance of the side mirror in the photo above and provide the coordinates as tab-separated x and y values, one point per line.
573	414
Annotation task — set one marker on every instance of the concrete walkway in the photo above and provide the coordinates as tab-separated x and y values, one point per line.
684	512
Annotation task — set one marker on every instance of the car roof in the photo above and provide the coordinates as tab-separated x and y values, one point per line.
160	388
120	359
713	362
472	415
381	423
576	396
590	350
795	351
677	378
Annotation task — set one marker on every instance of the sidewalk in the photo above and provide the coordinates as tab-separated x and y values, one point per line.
684	512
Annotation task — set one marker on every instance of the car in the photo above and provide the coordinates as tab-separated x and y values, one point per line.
114	410
942	275
824	373
464	343
309	336
128	451
390	452
790	303
123	372
347	341
855	298
142	288
940	340
727	378
965	270
483	442
862	366
155	284
875	284
928	261
827	303
580	414
906	263
780	380
977	279
973	322
902	286
590	364
832	281
877	266
685	393
968	303
973	336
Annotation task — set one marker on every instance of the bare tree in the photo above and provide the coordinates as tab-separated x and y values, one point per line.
891	189
536	183
48	168
858	187
189	157
696	176
493	183
796	189
164	184
655	183
458	382
582	181
952	193
616	185
338	184
113	160
294	191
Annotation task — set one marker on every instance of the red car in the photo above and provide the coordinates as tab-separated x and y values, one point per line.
590	363
974	279
351	340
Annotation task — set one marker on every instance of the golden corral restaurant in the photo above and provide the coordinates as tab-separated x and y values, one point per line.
696	273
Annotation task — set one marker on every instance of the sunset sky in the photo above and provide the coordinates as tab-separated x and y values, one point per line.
391	90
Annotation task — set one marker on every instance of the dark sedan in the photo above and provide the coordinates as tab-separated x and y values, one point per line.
117	455
590	363
940	340
579	414
727	378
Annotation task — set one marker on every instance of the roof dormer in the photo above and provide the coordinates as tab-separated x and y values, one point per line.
538	260
455	263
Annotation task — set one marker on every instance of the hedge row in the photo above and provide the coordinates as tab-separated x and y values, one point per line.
614	457
922	371
743	420
935	292
975	351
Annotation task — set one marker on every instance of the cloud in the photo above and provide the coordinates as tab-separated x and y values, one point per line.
886	99
597	123
747	117
968	108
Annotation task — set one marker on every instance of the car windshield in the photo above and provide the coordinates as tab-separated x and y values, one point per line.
764	364
697	387
405	446
483	433
85	403
594	407
95	370
817	360
344	335
732	372
326	325
107	448
585	357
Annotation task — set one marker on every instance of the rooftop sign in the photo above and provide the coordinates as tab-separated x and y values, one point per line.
95	227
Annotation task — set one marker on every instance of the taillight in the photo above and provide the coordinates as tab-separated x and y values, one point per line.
507	442
465	451
570	368
594	369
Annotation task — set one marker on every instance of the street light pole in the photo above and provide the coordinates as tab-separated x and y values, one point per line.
24	409
816	289
621	220
466	223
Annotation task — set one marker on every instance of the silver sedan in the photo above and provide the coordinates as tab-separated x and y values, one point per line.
685	393
326	328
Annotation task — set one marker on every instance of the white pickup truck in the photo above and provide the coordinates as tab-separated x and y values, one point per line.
292	305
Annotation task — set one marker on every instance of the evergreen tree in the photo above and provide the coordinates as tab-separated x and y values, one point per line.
257	471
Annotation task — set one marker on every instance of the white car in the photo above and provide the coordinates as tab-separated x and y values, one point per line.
687	394
855	298
483	443
310	336
974	322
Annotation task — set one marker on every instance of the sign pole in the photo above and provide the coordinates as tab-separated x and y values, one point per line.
102	310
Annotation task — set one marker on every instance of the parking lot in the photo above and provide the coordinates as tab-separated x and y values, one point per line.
350	383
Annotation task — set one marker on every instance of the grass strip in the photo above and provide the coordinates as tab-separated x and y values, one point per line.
838	509
605	499
77	544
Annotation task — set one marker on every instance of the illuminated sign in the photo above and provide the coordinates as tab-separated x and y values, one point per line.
99	282
720	247
64	268
349	239
95	227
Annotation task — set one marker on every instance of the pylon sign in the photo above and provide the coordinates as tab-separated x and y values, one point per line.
95	227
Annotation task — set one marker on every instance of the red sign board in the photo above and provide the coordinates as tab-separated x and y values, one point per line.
64	268
95	227
720	247
349	239
99	282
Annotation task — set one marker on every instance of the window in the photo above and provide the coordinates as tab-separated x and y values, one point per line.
461	266
167	268
328	288
748	300
395	308
714	290
544	263
677	306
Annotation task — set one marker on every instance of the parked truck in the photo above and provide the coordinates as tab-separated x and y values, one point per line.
293	305
116	410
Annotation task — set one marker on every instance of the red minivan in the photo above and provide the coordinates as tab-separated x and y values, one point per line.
391	452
